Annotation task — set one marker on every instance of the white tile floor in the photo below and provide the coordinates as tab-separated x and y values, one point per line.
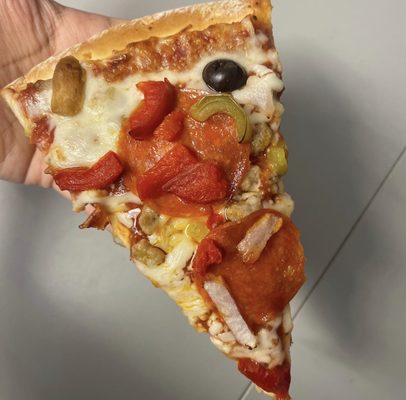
78	321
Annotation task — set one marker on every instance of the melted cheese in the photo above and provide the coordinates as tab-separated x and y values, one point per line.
112	203
84	138
259	92
282	203
269	349
171	277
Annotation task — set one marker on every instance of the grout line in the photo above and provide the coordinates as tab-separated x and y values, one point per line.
347	236
245	392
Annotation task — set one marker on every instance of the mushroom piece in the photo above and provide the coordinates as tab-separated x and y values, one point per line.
68	87
146	253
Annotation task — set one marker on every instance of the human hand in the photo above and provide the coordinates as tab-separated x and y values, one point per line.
31	31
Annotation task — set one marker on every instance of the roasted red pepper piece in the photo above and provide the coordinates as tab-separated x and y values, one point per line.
214	220
208	253
275	380
98	176
159	100
149	185
200	183
171	127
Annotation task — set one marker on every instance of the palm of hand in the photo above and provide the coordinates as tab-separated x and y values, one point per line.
31	31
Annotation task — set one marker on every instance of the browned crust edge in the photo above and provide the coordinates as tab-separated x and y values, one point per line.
196	17
102	45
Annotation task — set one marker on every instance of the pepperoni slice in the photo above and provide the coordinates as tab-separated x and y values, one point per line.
171	127
262	289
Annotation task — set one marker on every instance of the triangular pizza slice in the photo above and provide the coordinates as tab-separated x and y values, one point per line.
168	127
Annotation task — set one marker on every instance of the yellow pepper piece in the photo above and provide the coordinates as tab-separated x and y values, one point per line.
196	231
277	160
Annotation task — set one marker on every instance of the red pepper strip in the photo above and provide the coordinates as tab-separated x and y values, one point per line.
208	253
98	176
200	183
214	220
159	100
171	126
275	380
149	185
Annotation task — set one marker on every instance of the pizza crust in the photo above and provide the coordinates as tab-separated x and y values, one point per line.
103	45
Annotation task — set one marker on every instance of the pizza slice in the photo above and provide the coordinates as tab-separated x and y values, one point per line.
168	128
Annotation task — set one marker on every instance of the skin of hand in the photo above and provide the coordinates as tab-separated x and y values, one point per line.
31	31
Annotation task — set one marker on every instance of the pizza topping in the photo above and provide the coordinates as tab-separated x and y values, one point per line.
99	219
223	75
159	100
214	220
248	203
282	203
261	139
111	203
252	181
277	160
42	135
207	254
199	183
150	163
68	87
287	323
98	176
146	253
196	231
148	220
257	236
223	103
275	380
149	185
225	304
262	289
171	127
259	92
269	349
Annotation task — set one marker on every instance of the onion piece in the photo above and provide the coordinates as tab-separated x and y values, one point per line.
224	302
257	237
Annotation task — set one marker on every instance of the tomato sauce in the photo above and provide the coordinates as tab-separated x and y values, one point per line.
213	141
261	290
41	134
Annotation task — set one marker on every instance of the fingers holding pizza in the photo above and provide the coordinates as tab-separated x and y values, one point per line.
169	127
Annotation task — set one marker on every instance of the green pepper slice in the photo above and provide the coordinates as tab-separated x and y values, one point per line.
223	103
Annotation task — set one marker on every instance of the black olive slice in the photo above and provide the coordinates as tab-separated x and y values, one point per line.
224	75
